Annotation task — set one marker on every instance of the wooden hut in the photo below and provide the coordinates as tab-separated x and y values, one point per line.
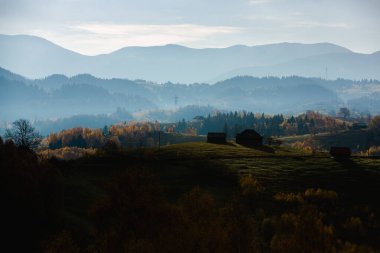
216	137
340	152
249	137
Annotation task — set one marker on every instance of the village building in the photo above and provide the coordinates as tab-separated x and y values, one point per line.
216	137
249	137
340	152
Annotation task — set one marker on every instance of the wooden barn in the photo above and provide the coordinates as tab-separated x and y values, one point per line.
216	137
249	137
340	152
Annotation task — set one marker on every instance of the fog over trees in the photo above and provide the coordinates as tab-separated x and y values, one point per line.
57	97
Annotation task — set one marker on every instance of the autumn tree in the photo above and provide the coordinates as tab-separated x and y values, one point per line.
374	129
374	125
23	134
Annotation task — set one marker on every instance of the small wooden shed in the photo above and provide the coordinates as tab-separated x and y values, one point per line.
216	137
340	152
249	137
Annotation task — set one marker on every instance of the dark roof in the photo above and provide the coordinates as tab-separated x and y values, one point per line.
340	151
216	134
250	133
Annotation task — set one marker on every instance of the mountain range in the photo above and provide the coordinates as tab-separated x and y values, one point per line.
35	57
58	96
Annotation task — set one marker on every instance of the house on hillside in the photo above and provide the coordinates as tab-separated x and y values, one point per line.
249	137
216	137
340	152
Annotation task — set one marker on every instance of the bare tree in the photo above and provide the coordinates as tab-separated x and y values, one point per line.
23	134
345	112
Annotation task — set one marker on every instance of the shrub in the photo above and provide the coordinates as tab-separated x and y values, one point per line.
303	232
67	153
61	243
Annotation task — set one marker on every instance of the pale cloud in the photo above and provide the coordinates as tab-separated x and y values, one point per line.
316	24
254	2
97	38
98	26
276	16
180	29
296	20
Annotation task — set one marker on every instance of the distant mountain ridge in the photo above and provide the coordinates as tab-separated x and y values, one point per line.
62	96
36	57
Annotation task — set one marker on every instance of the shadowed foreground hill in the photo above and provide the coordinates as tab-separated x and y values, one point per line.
200	197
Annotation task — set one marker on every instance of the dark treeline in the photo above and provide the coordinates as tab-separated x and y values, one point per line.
267	125
32	198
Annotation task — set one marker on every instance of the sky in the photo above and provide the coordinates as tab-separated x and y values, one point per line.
94	27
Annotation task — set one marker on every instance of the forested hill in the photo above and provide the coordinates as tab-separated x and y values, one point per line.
59	96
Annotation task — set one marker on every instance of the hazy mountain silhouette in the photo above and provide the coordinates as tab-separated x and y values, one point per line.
331	66
60	96
35	57
90	101
11	76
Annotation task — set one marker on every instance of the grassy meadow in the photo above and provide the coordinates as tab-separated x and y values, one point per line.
357	140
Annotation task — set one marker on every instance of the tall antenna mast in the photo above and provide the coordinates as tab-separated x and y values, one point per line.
176	100
326	73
